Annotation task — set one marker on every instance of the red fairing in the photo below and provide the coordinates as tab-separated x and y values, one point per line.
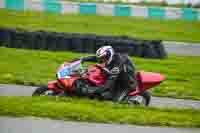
53	85
146	80
68	83
95	76
150	77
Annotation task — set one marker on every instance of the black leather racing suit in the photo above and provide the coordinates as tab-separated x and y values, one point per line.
120	78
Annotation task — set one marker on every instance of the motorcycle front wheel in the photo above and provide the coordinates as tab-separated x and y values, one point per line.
42	91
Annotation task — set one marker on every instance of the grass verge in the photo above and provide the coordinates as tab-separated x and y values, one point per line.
75	109
170	30
31	67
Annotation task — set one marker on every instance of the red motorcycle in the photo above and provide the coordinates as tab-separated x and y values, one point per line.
69	72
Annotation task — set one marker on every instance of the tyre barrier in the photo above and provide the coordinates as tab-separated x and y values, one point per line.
84	43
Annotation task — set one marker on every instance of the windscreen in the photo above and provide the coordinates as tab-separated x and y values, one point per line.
66	70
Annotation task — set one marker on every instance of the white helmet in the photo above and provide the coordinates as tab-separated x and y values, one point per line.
105	53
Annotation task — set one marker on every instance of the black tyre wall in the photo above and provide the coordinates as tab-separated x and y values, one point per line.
4	36
85	43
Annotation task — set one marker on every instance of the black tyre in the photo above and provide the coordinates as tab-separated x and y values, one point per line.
40	91
147	96
141	100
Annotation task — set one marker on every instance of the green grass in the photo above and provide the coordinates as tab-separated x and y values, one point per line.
170	30
75	109
31	67
158	4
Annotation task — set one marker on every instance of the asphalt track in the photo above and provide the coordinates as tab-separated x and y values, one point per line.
18	90
181	48
36	125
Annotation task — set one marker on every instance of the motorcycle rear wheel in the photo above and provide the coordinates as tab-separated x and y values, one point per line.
142	100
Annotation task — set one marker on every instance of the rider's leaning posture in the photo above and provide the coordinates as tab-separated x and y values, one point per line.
119	72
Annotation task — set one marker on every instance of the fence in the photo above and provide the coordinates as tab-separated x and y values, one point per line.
170	2
102	9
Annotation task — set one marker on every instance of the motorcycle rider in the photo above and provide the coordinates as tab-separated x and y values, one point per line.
119	72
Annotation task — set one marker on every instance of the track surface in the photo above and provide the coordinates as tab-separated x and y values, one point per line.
181	48
36	125
18	90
